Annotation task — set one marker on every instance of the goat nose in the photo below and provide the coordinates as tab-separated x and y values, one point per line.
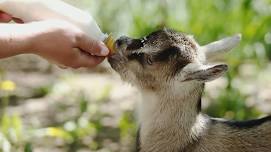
122	41
119	42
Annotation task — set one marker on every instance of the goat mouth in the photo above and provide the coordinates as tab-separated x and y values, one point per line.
123	54
119	52
117	59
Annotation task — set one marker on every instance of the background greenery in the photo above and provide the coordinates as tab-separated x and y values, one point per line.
237	96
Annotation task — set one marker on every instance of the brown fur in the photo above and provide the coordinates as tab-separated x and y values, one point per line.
167	67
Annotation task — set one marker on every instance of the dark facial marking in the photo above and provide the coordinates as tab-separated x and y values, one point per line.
178	60
135	44
244	124
165	55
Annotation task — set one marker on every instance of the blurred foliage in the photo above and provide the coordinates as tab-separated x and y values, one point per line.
41	91
232	105
12	135
207	20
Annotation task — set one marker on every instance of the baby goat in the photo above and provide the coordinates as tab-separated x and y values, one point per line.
170	71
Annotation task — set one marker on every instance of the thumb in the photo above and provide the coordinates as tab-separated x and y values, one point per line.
92	46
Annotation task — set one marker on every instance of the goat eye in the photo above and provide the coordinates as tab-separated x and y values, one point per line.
149	61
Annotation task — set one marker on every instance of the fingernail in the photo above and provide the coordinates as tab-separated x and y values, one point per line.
104	49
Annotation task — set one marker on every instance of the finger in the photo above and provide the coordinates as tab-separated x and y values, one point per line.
4	17
93	46
86	60
17	20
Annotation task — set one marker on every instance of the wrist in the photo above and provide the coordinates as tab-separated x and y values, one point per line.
17	37
26	37
14	39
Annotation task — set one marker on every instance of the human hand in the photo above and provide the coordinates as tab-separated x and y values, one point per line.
5	18
64	44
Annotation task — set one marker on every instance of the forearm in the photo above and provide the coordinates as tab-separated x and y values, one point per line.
14	39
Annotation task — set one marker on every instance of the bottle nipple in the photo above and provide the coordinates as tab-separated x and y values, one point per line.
110	43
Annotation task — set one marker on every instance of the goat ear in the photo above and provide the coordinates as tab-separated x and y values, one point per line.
208	73
218	48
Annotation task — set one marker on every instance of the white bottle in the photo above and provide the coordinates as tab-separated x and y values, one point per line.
35	10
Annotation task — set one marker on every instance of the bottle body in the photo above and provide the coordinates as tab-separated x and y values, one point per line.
35	10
